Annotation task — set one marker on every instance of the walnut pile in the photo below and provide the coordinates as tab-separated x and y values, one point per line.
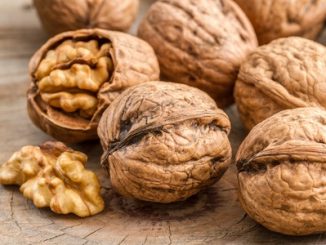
66	15
285	74
164	142
200	43
282	172
274	19
76	75
53	175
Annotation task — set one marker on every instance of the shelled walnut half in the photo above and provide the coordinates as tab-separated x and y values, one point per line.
274	19
200	43
282	172
53	175
164	142
61	15
76	75
284	74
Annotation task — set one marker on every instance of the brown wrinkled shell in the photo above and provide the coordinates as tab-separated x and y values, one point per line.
163	142
200	43
274	19
133	61
65	15
282	172
285	74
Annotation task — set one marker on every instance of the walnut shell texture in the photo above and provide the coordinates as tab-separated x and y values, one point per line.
273	19
282	172
200	43
76	75
284	74
163	142
60	15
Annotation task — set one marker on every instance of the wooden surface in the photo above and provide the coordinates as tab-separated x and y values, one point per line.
211	217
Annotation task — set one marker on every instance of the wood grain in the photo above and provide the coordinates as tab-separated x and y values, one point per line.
213	216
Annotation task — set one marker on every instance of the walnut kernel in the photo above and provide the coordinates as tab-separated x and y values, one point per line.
53	175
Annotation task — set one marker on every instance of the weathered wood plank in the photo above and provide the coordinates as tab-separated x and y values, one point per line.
214	216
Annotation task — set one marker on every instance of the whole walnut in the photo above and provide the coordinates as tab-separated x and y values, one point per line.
273	19
76	75
200	43
164	142
285	74
282	172
65	15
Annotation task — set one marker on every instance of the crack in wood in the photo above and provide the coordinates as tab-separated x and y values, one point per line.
144	242
123	239
170	233
12	213
51	238
91	233
242	219
71	226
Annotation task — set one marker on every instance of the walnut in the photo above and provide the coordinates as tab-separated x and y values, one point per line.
163	142
53	175
76	75
274	19
282	172
200	43
61	15
285	74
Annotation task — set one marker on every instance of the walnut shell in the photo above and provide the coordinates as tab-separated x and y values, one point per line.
163	142
76	75
200	43
282	172
61	15
274	19
53	175
285	74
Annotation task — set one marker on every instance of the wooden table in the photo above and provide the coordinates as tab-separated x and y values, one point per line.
211	217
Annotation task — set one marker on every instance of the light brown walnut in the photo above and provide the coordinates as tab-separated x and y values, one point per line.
274	19
164	142
76	75
285	74
282	172
66	15
200	43
53	175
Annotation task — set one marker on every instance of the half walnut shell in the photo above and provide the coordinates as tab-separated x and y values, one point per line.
164	142
76	75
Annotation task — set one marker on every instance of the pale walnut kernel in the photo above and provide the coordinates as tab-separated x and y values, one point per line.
58	179
22	165
65	52
72	88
